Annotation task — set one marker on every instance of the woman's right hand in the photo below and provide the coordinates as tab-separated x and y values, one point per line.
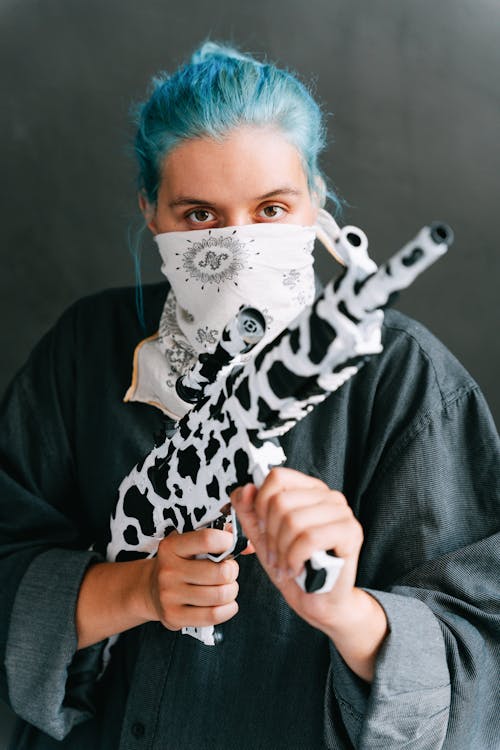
185	591
173	587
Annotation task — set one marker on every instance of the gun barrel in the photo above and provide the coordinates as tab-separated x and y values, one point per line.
442	232
329	342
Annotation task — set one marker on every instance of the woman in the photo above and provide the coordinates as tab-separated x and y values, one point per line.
401	650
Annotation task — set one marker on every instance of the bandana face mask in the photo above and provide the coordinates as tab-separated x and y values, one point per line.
212	272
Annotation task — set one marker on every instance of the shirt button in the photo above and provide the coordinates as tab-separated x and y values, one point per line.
138	729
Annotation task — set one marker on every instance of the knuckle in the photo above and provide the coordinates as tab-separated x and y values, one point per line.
302	541
217	596
275	475
221	595
209	616
166	541
230	593
233	590
164	548
170	626
165	597
348	515
274	481
355	537
171	537
171	619
358	533
228	571
164	577
167	611
339	498
290	524
223	613
279	501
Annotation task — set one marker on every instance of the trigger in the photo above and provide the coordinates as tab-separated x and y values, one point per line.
240	540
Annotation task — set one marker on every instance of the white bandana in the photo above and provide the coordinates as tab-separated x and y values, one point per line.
212	272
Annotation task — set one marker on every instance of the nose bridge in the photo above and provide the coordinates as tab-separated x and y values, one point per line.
237	216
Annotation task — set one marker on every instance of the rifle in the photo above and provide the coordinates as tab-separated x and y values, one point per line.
240	405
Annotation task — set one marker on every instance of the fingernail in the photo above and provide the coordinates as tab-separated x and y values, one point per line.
279	574
271	558
261	525
290	573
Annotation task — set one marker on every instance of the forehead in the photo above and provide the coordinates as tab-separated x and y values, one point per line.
248	162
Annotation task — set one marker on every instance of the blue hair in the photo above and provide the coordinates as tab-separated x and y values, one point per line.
217	91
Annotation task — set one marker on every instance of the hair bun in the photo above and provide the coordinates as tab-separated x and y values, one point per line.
214	49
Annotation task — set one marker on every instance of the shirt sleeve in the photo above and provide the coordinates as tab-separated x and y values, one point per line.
44	544
432	562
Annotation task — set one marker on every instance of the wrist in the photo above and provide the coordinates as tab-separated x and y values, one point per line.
112	598
139	597
358	628
356	611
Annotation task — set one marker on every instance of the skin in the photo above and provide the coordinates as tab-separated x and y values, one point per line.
206	183
254	175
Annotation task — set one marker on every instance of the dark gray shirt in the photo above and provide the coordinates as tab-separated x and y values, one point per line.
410	442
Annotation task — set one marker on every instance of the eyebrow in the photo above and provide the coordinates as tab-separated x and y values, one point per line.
183	200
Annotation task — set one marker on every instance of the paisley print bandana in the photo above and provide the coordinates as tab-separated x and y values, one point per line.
212	272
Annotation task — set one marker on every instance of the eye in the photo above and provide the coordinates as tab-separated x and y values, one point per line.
272	212
200	216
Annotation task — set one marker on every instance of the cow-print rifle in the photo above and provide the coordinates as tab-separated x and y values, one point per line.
229	436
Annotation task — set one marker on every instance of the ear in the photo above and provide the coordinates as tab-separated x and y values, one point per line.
316	209
319	194
148	211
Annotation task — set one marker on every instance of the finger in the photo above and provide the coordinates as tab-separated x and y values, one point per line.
188	616
279	507
284	502
280	480
297	521
242	500
207	596
204	572
249	549
344	537
198	542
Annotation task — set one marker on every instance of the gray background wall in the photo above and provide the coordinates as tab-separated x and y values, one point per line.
412	91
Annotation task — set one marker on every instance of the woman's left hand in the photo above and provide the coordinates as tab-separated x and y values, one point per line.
289	518
293	515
